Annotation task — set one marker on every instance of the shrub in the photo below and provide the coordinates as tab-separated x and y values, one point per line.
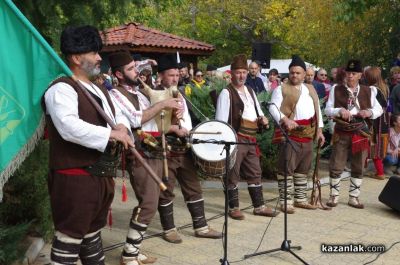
26	204
11	248
269	152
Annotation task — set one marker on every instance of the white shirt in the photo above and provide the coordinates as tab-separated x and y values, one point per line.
331	111
131	113
264	79
304	107
135	116
187	121
249	112
62	105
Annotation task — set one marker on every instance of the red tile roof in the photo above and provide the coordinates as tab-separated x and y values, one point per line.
139	37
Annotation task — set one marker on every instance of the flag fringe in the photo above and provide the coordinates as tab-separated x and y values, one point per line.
24	152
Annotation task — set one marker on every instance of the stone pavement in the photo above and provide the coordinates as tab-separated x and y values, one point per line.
376	224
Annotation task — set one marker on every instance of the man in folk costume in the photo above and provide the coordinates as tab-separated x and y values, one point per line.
244	115
82	147
181	167
296	107
353	106
136	107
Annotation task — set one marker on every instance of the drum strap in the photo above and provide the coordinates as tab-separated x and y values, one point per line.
254	100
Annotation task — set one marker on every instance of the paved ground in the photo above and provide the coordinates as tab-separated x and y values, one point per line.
376	224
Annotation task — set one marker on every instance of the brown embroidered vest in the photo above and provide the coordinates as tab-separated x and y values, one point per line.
291	96
342	97
364	98
133	98
237	107
65	154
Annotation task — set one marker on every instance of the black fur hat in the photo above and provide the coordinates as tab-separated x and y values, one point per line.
166	62
83	39
354	66
297	61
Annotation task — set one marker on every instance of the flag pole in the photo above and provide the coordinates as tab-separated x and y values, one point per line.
69	73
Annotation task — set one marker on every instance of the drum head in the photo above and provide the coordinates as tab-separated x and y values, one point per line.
213	152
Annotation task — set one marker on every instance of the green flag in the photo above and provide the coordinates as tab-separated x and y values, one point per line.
27	65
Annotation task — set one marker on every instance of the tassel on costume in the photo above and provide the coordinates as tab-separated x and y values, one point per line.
359	143
123	191
124	194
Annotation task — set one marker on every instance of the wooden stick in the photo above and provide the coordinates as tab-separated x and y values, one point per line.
316	194
164	145
113	126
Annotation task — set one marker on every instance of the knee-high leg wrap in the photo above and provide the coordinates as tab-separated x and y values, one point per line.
334	186
256	195
281	186
133	240
91	252
196	209
233	197
300	187
355	185
166	212
65	249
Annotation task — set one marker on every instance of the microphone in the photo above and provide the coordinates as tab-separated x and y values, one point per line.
267	104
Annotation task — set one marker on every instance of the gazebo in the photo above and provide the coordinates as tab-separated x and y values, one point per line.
151	43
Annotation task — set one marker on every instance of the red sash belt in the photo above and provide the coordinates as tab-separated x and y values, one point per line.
278	136
304	122
358	142
154	134
251	139
73	172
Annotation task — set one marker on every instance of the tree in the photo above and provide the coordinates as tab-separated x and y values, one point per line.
325	32
51	16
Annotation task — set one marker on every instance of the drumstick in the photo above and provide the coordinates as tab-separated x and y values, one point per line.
192	132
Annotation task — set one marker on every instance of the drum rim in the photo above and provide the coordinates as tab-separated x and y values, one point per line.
214	120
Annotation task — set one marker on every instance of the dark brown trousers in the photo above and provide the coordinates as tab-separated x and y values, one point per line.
182	169
146	189
79	204
340	151
298	162
247	165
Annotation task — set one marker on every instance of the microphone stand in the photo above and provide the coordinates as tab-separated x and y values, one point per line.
227	148
285	246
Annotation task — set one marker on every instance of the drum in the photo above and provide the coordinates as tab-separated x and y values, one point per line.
210	158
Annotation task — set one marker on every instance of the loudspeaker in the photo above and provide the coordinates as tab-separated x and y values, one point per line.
262	53
390	194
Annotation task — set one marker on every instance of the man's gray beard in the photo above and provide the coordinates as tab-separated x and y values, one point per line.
238	83
90	69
